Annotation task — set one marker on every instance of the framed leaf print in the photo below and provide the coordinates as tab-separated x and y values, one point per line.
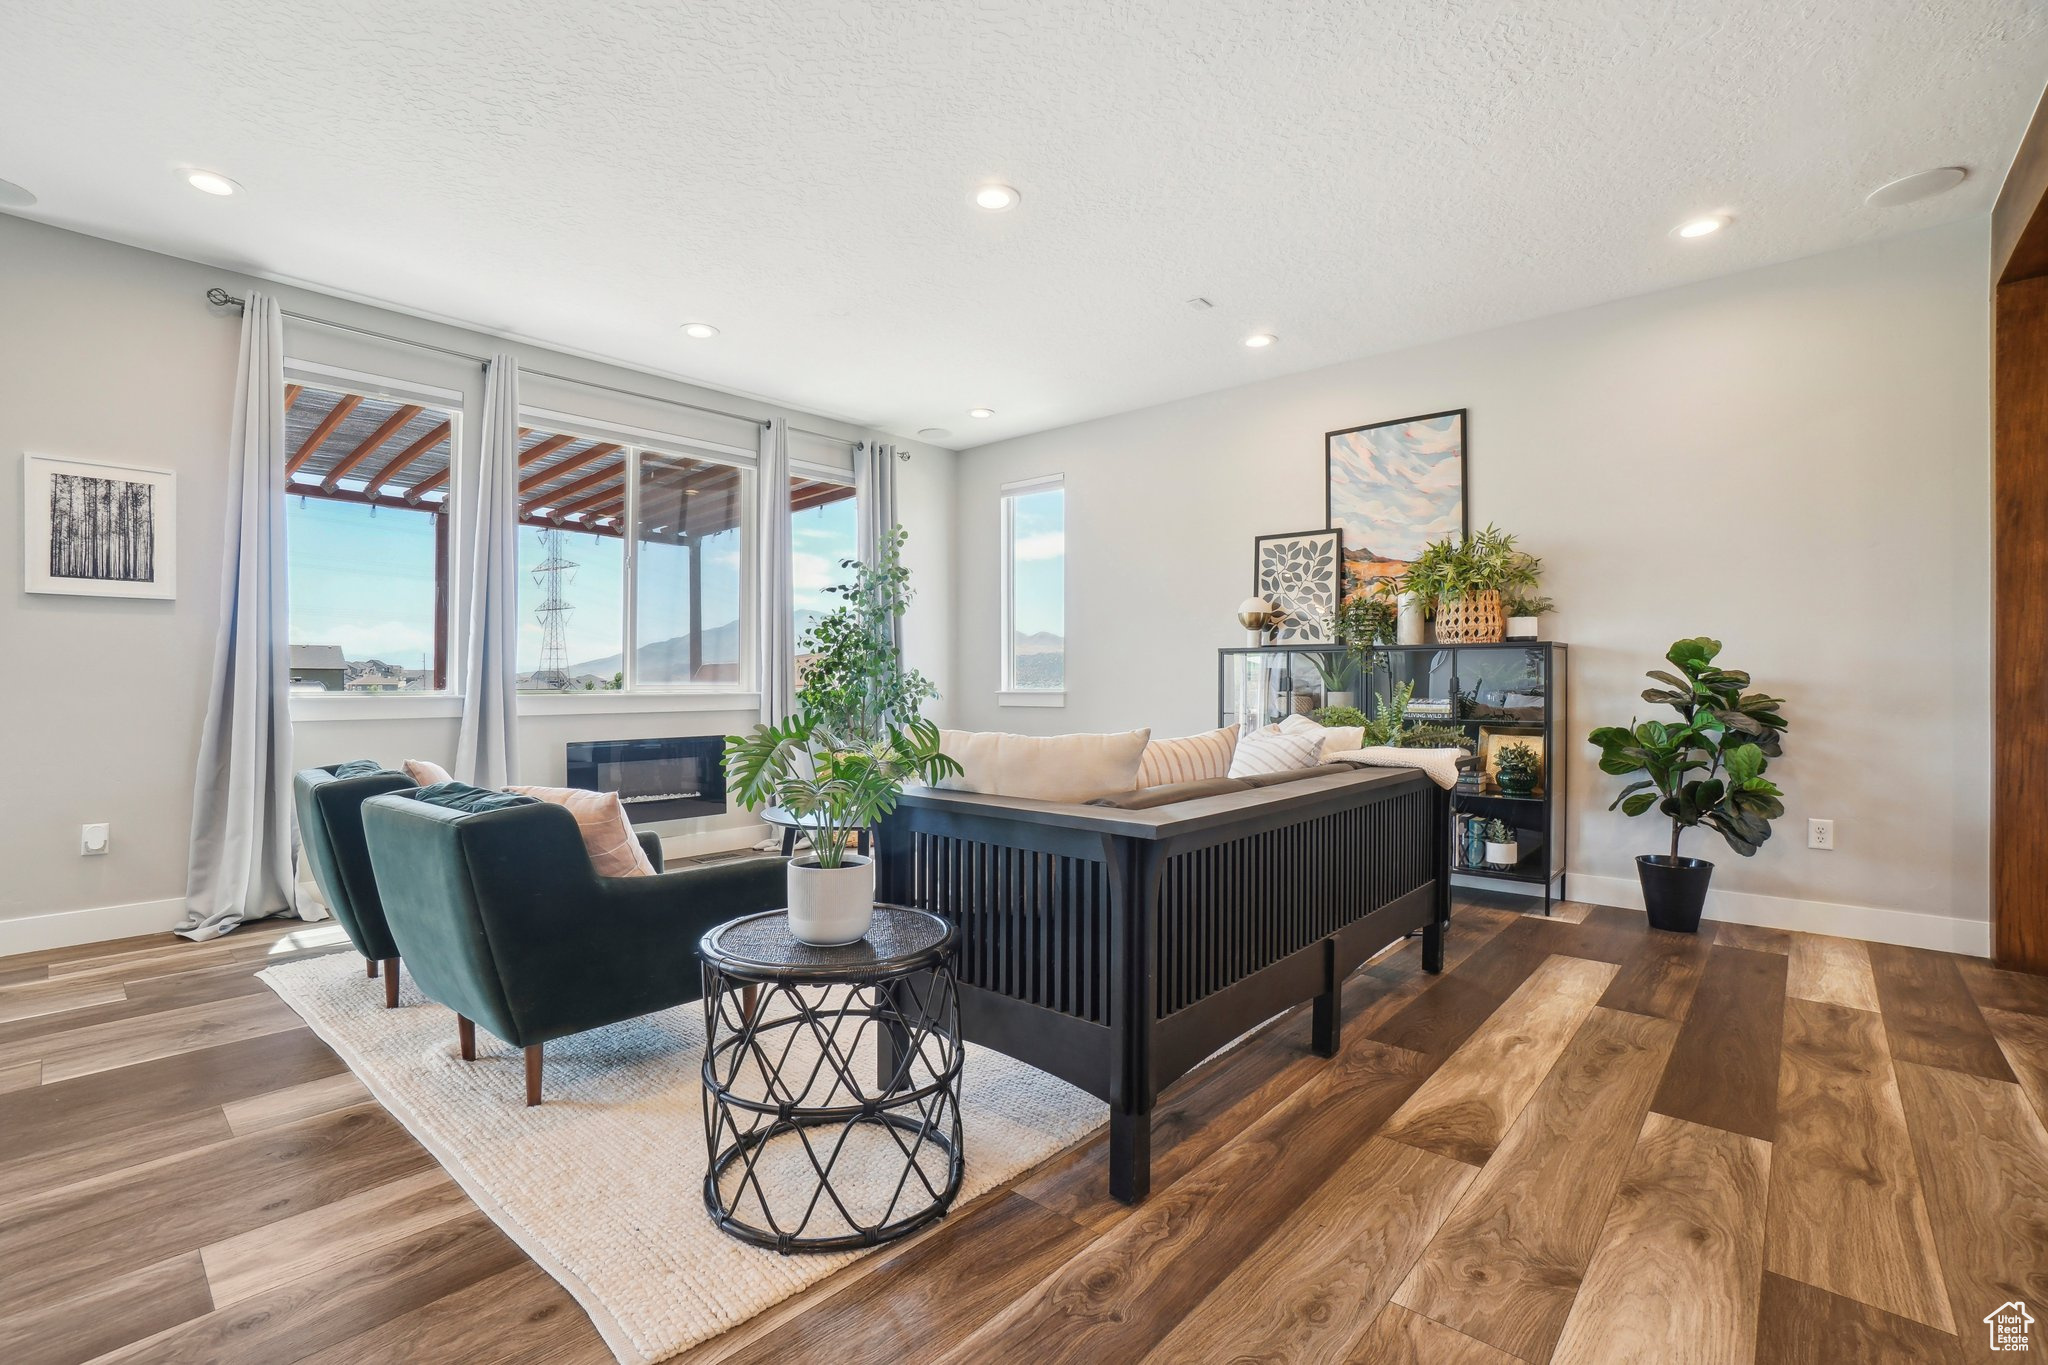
1299	574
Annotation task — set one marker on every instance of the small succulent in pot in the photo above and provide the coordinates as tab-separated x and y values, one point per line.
1517	768
1502	844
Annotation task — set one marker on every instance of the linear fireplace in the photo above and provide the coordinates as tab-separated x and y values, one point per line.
657	779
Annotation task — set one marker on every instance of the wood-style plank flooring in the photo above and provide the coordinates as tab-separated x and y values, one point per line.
1585	1142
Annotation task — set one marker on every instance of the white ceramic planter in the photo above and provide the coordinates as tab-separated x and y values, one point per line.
829	906
1341	699
1412	628
1502	855
1523	627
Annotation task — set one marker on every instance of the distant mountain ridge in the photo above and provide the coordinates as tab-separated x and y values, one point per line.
670	658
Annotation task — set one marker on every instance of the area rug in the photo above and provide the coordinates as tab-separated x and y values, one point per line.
602	1184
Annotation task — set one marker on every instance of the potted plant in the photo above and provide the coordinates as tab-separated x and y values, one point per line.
1502	849
1706	770
1339	673
855	683
1516	768
1461	584
838	787
1525	612
1366	619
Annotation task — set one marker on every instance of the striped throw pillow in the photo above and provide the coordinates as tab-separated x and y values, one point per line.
1195	758
1273	751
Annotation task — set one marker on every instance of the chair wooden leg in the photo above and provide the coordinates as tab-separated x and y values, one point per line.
370	968
390	983
532	1074
467	1032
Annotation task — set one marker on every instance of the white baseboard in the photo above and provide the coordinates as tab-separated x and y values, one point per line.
69	928
1902	927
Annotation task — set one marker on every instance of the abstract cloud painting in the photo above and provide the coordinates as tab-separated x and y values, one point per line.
1393	487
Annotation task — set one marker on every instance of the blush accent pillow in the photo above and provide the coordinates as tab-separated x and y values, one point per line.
607	833
1337	739
425	772
1273	750
1194	758
1044	768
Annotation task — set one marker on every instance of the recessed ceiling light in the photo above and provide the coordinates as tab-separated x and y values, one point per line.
981	412
208	182
1260	340
1910	189
996	198
13	196
699	330
934	433
1701	227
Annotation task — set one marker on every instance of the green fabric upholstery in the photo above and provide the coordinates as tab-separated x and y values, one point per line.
461	796
330	811
500	917
650	844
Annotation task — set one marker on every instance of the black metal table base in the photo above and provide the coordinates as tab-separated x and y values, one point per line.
803	1085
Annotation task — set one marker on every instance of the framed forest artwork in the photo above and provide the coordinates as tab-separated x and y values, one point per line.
1392	488
98	530
1299	573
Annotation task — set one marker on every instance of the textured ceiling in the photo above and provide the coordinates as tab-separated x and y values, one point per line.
1350	176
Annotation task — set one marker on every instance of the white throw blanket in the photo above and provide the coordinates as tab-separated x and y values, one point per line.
1440	764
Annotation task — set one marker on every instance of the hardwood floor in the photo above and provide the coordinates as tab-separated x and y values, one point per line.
1584	1142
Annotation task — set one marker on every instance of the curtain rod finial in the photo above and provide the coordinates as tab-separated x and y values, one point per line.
221	298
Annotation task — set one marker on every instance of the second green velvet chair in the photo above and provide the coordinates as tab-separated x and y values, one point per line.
500	917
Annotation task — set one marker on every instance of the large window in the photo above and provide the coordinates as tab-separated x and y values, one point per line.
366	532
823	535
1035	586
581	629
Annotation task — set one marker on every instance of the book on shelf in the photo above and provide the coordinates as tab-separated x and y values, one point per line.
1436	708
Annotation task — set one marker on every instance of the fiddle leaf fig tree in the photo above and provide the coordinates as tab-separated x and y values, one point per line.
1708	769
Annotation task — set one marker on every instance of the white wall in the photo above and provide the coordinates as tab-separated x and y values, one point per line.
108	352
1794	460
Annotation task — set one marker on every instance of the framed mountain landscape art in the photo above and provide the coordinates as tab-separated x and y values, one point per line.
1299	574
98	530
1392	488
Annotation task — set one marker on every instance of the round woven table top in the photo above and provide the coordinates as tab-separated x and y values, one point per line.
761	947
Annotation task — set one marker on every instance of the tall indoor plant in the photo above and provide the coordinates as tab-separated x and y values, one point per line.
855	682
1706	770
837	786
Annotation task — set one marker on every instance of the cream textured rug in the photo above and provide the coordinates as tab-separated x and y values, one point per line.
602	1184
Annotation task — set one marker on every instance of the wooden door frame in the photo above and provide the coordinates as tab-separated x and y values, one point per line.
2019	665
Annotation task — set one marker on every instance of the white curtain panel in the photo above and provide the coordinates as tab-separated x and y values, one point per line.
778	594
487	749
874	486
240	865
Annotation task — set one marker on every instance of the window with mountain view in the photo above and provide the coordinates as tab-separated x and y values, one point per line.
366	509
1035	586
686	581
823	535
578	495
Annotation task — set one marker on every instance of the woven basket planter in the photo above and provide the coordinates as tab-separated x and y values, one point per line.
1475	619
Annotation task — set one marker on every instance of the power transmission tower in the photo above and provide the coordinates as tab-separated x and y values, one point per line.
551	575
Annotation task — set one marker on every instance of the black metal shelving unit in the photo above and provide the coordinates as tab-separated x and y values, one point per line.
1516	689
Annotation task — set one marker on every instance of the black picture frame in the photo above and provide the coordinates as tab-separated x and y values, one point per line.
1464	417
1328	635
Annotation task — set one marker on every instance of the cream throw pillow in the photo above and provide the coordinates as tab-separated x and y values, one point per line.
425	771
1337	739
1044	768
1274	750
607	833
1195	758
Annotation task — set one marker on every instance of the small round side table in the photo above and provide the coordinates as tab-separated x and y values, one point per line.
832	1106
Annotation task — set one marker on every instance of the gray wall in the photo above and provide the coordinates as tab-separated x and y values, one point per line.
1795	460
108	352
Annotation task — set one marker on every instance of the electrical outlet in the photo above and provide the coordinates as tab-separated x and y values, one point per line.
93	840
1820	834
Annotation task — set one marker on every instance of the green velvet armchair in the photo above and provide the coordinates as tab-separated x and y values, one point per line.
500	917
331	834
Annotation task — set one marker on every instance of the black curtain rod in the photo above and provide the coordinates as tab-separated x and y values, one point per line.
221	298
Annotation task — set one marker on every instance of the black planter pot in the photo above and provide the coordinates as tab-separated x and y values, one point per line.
1674	891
